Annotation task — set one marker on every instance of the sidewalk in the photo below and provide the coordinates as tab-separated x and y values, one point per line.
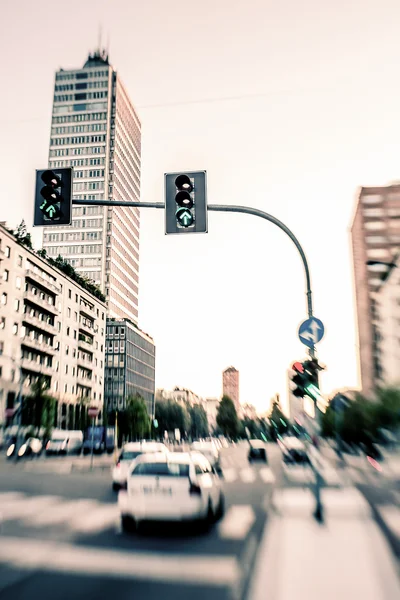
346	558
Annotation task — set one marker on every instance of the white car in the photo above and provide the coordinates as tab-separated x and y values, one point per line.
129	453
171	487
209	450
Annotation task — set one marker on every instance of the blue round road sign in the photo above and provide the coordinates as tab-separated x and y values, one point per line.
311	332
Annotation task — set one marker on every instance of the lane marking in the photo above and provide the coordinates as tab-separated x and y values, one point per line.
247	475
26	506
237	522
96	520
229	475
60	513
267	475
217	570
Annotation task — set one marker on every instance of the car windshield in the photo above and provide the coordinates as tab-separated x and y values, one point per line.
126	455
58	438
162	469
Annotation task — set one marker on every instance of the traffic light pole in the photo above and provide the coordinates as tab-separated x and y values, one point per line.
226	208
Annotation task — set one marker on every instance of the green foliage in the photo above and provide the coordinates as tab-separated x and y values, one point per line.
134	422
198	422
171	415
22	235
227	419
39	406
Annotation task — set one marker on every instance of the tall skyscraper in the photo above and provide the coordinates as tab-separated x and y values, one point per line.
375	235
96	130
230	385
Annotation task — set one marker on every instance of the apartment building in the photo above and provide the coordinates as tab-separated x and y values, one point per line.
51	327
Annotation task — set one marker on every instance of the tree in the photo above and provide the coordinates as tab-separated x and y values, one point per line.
171	415
227	419
22	235
40	405
137	420
198	422
278	420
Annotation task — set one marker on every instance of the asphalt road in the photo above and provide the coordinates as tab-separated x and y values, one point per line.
61	537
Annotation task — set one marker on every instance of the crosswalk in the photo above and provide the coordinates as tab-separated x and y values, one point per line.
247	475
90	517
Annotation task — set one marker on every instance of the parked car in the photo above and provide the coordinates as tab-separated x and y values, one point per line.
65	442
100	438
171	487
257	451
31	448
129	452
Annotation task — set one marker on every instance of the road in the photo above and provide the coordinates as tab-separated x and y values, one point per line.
61	537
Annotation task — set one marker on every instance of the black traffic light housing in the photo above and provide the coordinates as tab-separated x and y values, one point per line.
186	202
306	378
53	197
299	379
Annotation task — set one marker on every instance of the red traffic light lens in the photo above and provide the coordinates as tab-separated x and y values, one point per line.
51	179
297	366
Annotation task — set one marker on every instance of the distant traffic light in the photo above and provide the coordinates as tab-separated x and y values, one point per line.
299	379
53	197
186	202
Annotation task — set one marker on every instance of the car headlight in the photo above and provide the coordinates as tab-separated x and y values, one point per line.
22	450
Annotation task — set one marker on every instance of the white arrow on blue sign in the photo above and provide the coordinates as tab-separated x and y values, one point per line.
311	332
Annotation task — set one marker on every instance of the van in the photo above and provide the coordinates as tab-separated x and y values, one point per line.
65	442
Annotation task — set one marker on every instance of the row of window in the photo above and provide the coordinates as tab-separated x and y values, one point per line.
78	151
83	186
78	118
89	173
80	96
81	75
79	128
89	249
79	139
67	87
95	106
78	211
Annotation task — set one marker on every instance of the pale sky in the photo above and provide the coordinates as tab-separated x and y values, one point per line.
303	108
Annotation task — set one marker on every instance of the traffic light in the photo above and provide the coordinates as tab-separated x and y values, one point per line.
311	370
185	202
299	379
53	197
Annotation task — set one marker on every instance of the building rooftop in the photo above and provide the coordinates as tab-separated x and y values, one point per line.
97	59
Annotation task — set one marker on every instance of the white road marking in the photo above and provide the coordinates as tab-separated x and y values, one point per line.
237	522
24	507
267	475
96	520
219	571
247	475
229	475
60	513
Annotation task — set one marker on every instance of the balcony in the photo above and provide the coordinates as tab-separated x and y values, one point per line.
35	367
84	381
87	346
39	346
86	327
44	283
41	302
38	324
85	363
87	310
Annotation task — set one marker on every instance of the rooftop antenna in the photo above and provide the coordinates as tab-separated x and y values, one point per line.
107	48
100	36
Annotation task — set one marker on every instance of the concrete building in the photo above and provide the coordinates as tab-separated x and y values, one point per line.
130	365
230	386
249	412
96	130
49	326
388	311
211	408
375	236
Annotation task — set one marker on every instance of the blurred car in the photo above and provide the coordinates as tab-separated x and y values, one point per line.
129	452
32	447
208	450
294	452
171	487
257	451
65	442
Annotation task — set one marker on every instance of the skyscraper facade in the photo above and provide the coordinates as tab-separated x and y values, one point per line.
96	130
375	235
230	385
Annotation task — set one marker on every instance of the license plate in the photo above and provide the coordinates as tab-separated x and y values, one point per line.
158	490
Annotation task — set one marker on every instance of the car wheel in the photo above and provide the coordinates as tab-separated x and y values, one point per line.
128	524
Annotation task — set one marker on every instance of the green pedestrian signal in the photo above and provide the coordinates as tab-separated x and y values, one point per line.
185	202
53	197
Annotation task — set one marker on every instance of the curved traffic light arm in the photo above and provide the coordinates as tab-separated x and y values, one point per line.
229	208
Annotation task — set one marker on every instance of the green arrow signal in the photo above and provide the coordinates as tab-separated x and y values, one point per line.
185	217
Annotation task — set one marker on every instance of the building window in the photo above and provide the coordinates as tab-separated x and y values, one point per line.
7	251
17	304
2	322
5	275
15	328
76	298
20	259
69	294
66	369
69	312
76	316
75	333
68	330
67	350
4	298
65	388
1	348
